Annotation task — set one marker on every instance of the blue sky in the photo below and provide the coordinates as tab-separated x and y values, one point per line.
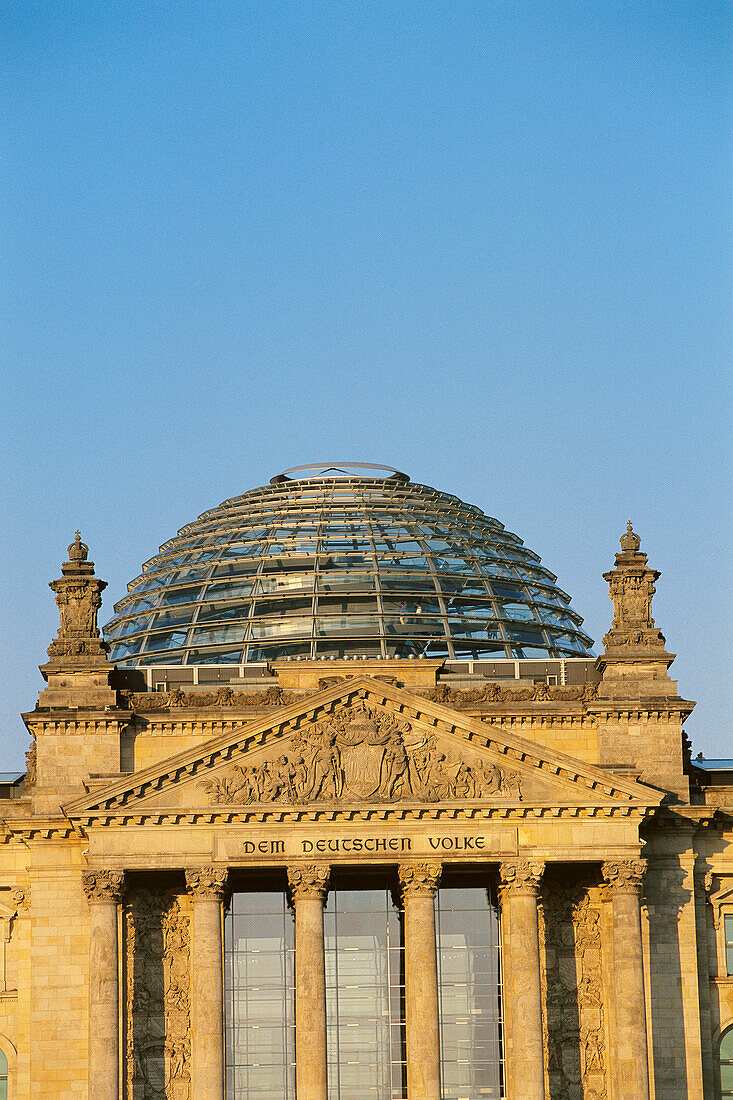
487	243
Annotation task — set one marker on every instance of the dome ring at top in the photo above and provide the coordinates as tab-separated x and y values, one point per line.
339	564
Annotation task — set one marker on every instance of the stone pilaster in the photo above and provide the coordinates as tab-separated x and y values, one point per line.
624	880
208	889
103	890
308	890
419	882
524	1048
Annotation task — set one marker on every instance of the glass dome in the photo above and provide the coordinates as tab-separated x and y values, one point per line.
343	561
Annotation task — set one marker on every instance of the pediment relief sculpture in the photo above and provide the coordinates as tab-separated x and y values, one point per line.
362	754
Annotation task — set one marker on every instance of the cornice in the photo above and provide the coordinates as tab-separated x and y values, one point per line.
419	812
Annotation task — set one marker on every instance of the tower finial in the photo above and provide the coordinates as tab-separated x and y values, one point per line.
78	551
630	542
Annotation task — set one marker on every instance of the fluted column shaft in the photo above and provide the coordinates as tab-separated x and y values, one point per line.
208	889
308	890
524	1047
103	890
419	882
624	880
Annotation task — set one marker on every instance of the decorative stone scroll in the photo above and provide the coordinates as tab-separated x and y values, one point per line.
157	997
624	874
493	692
103	886
362	754
419	878
222	697
309	880
572	983
207	882
521	875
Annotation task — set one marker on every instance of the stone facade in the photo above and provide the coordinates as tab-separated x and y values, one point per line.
614	872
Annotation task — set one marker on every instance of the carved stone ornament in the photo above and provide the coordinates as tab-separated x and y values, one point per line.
366	755
78	598
572	988
21	896
309	880
419	878
496	693
31	760
624	874
222	697
103	886
157	1002
207	883
521	875
631	588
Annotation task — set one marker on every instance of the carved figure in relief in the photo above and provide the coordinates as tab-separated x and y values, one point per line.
326	767
395	768
361	753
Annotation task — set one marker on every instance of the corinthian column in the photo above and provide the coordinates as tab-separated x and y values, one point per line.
103	890
208	888
623	882
525	1064
308	890
419	882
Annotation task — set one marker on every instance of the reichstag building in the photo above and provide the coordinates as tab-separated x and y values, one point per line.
343	804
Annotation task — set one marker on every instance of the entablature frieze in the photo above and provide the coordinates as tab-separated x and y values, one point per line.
652	710
225	814
72	723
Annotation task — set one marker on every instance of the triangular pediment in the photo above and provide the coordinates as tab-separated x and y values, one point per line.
361	744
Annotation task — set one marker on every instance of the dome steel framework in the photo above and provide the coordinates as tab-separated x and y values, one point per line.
326	561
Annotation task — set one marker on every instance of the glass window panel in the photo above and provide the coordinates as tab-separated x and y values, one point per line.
174	617
472	609
259	997
214	657
396	582
346	624
365	605
264	652
467	929
405	608
295	627
345	580
120	650
172	639
132	626
286	582
364	996
461	629
516	611
220	635
219	611
413	625
726	1046
283	606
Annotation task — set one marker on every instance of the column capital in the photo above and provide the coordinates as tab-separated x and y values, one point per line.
207	883
521	876
309	880
419	878
103	886
624	875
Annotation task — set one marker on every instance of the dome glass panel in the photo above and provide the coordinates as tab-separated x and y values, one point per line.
339	562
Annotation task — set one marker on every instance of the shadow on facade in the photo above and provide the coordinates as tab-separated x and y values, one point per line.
572	972
157	995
